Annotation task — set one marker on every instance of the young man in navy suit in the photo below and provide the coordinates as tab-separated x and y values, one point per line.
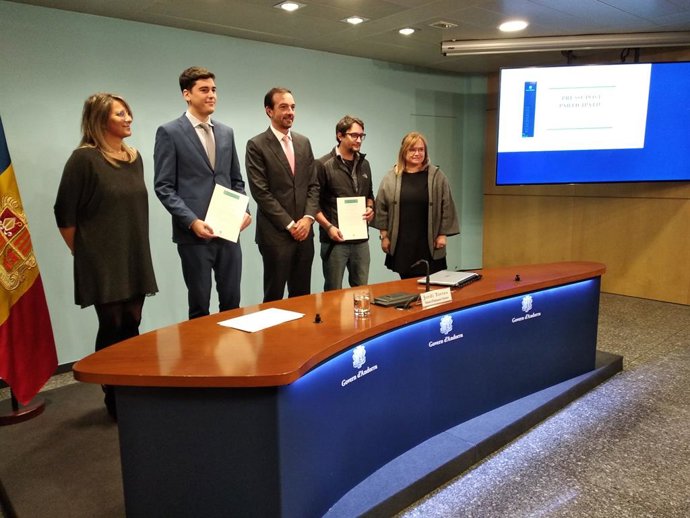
192	154
282	180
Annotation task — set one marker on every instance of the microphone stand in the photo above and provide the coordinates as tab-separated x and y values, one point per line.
426	264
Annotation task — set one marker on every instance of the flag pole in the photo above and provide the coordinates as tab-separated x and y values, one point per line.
18	413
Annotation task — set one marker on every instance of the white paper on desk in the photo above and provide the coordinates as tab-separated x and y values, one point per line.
350	218
261	319
226	212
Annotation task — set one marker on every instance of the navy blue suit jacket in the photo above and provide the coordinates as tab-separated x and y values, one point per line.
184	180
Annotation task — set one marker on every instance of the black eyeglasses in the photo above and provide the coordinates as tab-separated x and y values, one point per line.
355	136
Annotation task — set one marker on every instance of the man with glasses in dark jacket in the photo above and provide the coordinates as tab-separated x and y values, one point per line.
344	173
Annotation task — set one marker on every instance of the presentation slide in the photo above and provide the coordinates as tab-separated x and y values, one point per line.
556	109
594	123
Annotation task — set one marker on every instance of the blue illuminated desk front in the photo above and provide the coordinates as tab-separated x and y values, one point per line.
216	422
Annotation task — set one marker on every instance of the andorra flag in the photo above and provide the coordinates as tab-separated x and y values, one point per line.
27	347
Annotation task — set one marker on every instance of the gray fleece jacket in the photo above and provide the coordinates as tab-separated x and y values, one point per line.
443	218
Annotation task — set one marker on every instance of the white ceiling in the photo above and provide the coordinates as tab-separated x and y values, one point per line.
318	25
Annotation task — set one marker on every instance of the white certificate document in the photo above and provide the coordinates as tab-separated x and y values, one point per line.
226	212
261	319
350	218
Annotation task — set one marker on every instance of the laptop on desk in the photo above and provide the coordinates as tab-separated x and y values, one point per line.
451	278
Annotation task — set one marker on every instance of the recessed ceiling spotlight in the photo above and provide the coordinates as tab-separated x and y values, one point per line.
407	31
513	26
289	6
355	20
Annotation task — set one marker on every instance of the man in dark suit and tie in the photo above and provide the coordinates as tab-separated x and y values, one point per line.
191	155
282	180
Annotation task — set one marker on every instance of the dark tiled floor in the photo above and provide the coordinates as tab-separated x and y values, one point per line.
622	450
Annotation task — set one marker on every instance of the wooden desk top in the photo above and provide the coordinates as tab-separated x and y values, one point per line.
201	353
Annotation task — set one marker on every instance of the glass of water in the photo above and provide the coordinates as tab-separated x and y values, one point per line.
362	303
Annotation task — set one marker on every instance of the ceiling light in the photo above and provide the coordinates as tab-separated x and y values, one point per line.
513	26
289	6
355	20
407	31
560	43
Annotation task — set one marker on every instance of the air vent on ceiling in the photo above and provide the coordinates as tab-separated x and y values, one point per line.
443	25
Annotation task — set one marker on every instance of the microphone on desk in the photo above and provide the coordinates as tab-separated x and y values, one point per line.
426	264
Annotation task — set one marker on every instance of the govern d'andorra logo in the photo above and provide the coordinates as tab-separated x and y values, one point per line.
359	358
527	306
445	327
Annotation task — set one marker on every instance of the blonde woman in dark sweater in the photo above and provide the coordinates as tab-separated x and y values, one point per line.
102	213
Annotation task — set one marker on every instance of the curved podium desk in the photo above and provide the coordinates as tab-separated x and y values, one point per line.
283	422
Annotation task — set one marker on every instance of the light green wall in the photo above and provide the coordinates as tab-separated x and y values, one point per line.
52	60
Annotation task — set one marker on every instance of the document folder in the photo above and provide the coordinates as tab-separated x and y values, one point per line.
395	299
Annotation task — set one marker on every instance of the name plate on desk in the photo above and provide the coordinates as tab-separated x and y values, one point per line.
435	297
